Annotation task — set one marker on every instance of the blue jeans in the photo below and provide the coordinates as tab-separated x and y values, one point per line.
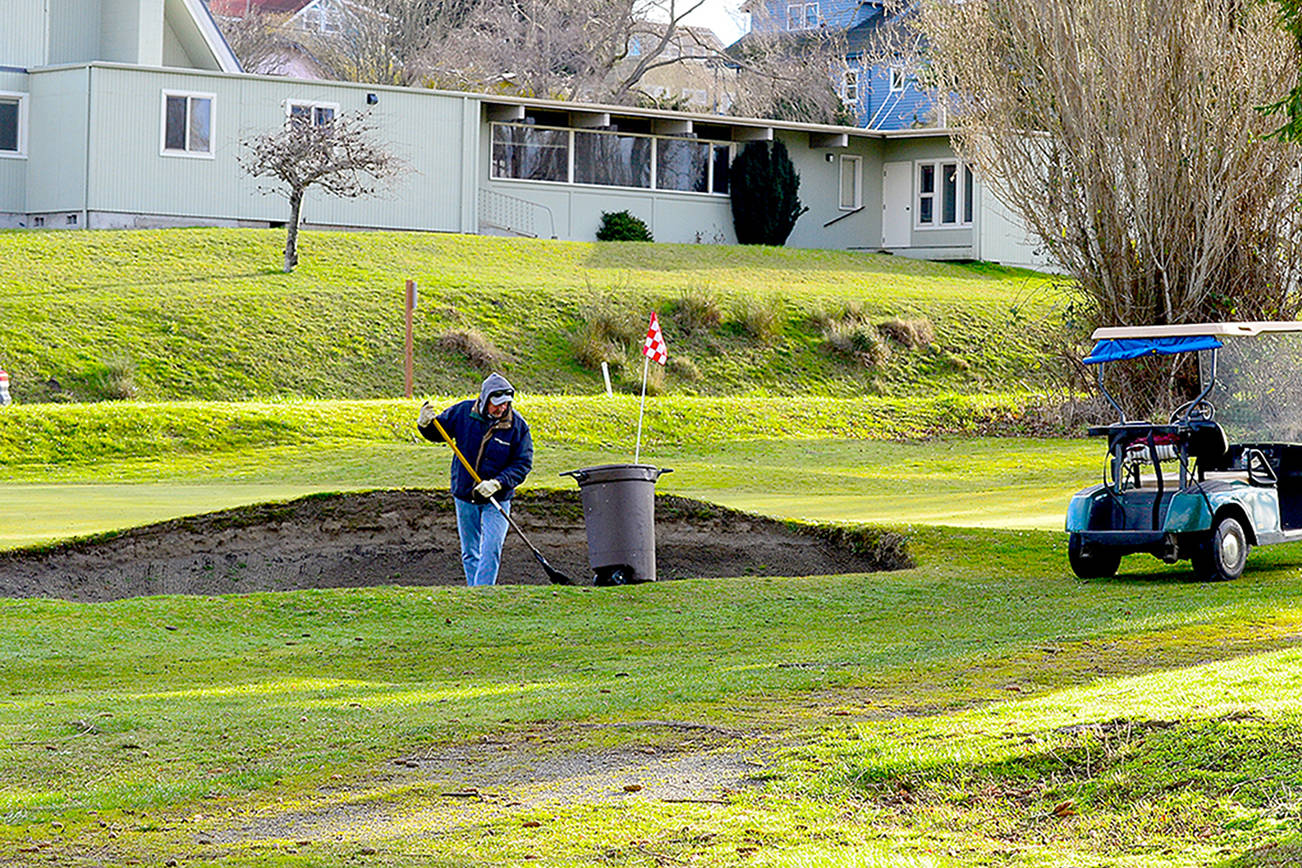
482	530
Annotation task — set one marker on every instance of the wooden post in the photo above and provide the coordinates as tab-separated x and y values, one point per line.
409	303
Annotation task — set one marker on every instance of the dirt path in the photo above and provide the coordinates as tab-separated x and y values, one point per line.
409	537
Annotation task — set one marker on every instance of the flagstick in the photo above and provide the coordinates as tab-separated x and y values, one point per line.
637	451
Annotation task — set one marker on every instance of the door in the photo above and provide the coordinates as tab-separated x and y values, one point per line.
897	196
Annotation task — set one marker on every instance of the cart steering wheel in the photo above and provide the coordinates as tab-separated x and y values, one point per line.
1198	410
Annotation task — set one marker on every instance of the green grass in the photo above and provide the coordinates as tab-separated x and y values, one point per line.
204	313
72	470
971	685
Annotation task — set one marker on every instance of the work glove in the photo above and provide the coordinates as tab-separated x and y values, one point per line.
427	414
488	488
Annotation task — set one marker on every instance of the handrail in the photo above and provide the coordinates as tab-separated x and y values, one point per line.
511	213
843	216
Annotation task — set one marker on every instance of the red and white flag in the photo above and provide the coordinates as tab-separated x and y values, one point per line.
654	346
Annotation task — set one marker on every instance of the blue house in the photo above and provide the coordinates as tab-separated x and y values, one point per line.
880	96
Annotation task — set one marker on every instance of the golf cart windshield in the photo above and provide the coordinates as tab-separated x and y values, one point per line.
1258	393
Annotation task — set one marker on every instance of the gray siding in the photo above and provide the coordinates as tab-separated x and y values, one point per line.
74	31
820	192
13	170
56	179
129	175
23	37
958	243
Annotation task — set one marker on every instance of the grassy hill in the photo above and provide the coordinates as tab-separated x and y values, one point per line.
205	314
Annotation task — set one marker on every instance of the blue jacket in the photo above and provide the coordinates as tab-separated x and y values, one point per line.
500	449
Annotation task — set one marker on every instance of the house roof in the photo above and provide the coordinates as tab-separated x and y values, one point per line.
240	8
198	33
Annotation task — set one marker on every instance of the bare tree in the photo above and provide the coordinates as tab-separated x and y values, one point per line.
606	50
380	41
338	157
257	39
1127	136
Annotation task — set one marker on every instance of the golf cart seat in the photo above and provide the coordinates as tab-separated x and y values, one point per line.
1208	444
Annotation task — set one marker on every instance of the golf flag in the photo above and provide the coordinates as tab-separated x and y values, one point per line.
654	346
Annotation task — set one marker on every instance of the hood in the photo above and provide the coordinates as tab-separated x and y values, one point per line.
492	383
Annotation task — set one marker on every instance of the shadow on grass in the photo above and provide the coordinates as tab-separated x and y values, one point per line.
692	257
1274	855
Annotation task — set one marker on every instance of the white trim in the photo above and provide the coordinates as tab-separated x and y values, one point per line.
289	102
221	49
850	82
937	195
22	98
1218	329
164	150
858	183
903	79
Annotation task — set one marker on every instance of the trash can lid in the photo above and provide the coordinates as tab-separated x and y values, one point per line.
617	473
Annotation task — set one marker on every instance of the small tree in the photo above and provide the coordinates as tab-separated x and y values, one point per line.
765	200
338	156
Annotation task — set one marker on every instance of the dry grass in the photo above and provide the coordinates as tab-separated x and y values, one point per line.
858	340
684	368
763	318
696	309
475	348
914	334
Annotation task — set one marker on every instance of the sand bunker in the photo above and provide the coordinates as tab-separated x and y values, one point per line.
409	537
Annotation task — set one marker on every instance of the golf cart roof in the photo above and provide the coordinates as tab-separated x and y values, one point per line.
1213	329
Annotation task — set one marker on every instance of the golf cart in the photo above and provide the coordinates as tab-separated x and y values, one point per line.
1223	471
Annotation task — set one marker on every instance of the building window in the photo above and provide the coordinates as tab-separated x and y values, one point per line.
683	164
802	16
317	113
851	184
898	79
612	160
526	152
946	194
850	86
187	124
13	124
719	170
530	154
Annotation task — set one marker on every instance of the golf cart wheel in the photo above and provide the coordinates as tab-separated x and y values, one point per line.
1092	565
1223	553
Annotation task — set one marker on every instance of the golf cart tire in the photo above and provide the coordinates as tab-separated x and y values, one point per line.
1222	554
1093	565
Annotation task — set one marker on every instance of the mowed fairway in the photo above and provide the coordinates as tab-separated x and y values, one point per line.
984	708
1005	482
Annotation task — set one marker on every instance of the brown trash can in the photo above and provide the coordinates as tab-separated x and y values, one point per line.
619	514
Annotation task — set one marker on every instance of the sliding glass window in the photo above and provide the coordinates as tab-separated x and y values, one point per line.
612	160
531	154
683	164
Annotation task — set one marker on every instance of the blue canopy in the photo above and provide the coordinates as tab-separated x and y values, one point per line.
1133	348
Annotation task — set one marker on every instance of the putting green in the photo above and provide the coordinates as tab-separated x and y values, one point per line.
1015	483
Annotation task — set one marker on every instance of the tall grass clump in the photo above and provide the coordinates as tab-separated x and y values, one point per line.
114	379
696	309
763	319
606	328
914	334
474	347
858	340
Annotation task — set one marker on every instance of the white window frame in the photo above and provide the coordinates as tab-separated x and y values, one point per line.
21	153
289	105
937	195
850	87
858	183
570	182
899	80
802	21
164	150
